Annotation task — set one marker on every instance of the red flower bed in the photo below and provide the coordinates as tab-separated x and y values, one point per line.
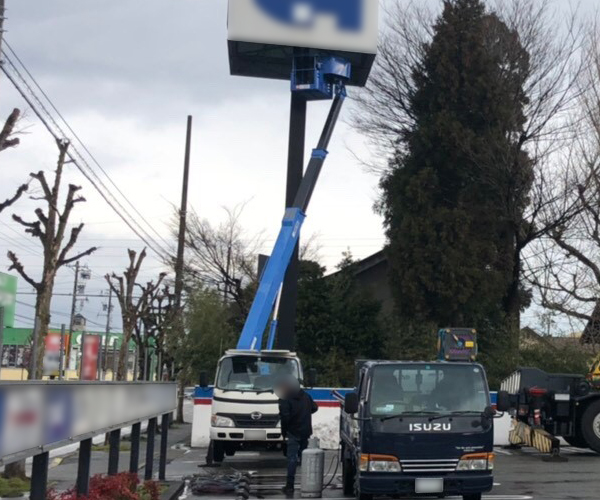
123	486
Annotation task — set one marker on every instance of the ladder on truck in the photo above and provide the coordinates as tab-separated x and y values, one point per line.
323	77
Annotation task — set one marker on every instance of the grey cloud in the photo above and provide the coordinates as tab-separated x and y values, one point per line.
130	57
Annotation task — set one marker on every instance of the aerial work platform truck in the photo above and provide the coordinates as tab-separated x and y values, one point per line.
316	47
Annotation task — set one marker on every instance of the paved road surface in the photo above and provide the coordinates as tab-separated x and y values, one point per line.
520	475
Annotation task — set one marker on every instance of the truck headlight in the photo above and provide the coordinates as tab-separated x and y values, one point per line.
476	462
219	421
379	463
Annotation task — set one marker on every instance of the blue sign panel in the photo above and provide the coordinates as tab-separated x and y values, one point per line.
349	13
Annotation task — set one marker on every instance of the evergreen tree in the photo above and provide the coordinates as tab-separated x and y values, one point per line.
337	322
449	245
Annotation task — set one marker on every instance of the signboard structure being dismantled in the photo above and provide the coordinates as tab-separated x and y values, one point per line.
264	35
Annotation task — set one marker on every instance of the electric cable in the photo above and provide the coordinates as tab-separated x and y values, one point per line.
81	142
52	126
337	465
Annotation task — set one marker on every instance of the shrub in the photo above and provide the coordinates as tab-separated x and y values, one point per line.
123	486
13	487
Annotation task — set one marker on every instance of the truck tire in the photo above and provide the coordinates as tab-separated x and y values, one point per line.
216	453
472	496
590	426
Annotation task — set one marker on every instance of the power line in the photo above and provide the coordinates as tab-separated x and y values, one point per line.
29	95
64	315
80	141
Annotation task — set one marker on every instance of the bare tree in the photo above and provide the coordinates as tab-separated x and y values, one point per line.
157	321
222	257
566	266
310	248
132	307
50	229
382	110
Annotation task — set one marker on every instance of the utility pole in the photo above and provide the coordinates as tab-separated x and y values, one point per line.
181	249
61	359
107	337
74	304
182	217
2	19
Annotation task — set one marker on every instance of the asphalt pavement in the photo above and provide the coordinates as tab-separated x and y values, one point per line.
519	475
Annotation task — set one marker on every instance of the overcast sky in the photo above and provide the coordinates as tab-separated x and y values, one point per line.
125	74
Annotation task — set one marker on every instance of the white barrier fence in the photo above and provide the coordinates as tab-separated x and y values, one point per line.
325	422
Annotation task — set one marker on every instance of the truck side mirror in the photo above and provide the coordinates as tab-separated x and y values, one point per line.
203	379
503	401
351	403
311	378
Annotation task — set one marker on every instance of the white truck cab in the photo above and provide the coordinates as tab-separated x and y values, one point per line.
245	412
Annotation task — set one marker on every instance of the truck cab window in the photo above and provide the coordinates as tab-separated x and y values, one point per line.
241	373
427	387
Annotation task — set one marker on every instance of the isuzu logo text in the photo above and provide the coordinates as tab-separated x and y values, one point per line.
437	427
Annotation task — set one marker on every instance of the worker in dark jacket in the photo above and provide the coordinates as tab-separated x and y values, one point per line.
295	410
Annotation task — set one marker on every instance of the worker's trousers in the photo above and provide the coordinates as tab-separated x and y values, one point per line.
295	447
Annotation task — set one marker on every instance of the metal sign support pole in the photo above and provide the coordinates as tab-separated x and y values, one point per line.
289	292
150	449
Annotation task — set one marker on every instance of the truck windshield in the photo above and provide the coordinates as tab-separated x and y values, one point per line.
440	388
251	373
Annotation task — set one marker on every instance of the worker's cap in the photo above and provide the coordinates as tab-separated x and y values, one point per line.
286	386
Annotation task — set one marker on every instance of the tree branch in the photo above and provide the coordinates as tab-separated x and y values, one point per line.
89	251
17	266
6	141
10	201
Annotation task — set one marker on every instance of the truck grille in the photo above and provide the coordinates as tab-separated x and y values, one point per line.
247	422
421	466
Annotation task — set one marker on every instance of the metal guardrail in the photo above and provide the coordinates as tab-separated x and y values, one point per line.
38	416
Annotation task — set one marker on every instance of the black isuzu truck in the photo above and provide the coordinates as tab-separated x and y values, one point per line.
420	428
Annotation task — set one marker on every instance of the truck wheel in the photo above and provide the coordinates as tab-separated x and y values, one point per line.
472	496
590	426
216	453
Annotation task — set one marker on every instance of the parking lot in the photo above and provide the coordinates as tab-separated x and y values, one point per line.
520	474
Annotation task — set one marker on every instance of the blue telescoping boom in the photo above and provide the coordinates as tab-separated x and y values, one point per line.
272	278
